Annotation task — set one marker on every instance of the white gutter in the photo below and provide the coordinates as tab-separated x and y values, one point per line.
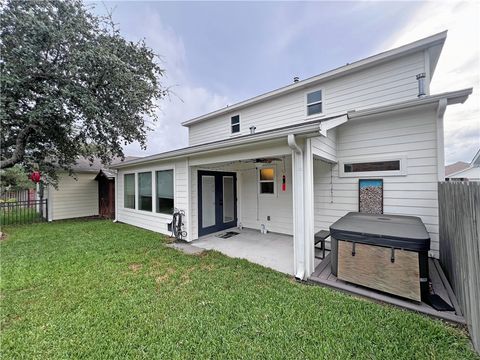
298	207
452	97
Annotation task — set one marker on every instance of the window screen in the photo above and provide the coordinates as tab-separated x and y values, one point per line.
145	191
129	191
314	103
165	198
235	121
373	166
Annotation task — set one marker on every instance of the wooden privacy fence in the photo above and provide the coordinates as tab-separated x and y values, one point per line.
459	217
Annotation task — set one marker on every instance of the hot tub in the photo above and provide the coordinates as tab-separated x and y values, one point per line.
384	252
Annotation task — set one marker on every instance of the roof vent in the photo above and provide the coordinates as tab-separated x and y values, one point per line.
421	84
296	79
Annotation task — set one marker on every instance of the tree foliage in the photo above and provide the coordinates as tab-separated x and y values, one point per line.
15	178
71	85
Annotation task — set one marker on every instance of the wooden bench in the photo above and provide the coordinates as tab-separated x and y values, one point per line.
320	237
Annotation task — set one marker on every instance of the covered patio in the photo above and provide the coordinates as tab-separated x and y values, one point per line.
272	250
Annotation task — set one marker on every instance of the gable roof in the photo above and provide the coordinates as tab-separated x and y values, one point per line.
84	164
434	42
455	167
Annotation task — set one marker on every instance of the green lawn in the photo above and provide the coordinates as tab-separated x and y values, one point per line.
98	290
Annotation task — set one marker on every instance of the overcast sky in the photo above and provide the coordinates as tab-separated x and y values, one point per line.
219	53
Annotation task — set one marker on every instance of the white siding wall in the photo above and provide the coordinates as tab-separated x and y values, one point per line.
278	206
151	219
389	82
74	198
411	133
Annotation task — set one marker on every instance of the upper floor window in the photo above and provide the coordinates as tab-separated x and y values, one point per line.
165	198
267	180
129	191
235	123
145	191
314	103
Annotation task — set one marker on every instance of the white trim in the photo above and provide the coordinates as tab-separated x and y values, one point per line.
174	188
267	166
322	102
428	75
330	124
375	158
232	125
436	39
138	186
134	190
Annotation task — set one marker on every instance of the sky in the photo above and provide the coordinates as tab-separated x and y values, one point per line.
219	53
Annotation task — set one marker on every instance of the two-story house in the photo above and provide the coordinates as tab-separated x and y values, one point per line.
292	161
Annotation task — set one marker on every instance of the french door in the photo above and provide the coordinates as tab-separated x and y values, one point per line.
217	201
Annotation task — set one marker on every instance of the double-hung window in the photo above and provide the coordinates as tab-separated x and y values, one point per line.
165	198
235	123
266	178
145	191
129	191
314	103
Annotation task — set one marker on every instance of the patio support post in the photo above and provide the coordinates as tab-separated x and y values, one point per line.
309	209
298	208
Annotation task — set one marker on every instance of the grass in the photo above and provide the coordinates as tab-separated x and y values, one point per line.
98	290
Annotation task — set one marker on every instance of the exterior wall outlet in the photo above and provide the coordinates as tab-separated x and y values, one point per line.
268	218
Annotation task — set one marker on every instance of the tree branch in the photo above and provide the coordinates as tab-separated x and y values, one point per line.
19	152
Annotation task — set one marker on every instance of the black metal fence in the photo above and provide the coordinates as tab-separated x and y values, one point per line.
23	212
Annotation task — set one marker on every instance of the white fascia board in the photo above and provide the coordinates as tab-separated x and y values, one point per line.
333	123
453	97
422	44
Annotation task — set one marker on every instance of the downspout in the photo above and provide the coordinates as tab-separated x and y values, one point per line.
442	106
298	198
116	196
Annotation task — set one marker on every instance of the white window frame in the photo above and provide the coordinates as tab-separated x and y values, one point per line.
155	189
239	125
137	190
134	190
259	188
355	160
318	102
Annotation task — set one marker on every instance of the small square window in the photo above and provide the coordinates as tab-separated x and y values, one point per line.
267	181
235	123
314	103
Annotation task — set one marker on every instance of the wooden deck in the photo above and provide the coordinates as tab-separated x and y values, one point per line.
323	275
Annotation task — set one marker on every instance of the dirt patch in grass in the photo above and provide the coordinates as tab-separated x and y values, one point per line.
162	278
3	236
135	267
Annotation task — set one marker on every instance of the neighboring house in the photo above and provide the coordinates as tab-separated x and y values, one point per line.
461	171
290	160
90	192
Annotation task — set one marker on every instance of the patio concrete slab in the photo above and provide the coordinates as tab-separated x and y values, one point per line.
271	250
